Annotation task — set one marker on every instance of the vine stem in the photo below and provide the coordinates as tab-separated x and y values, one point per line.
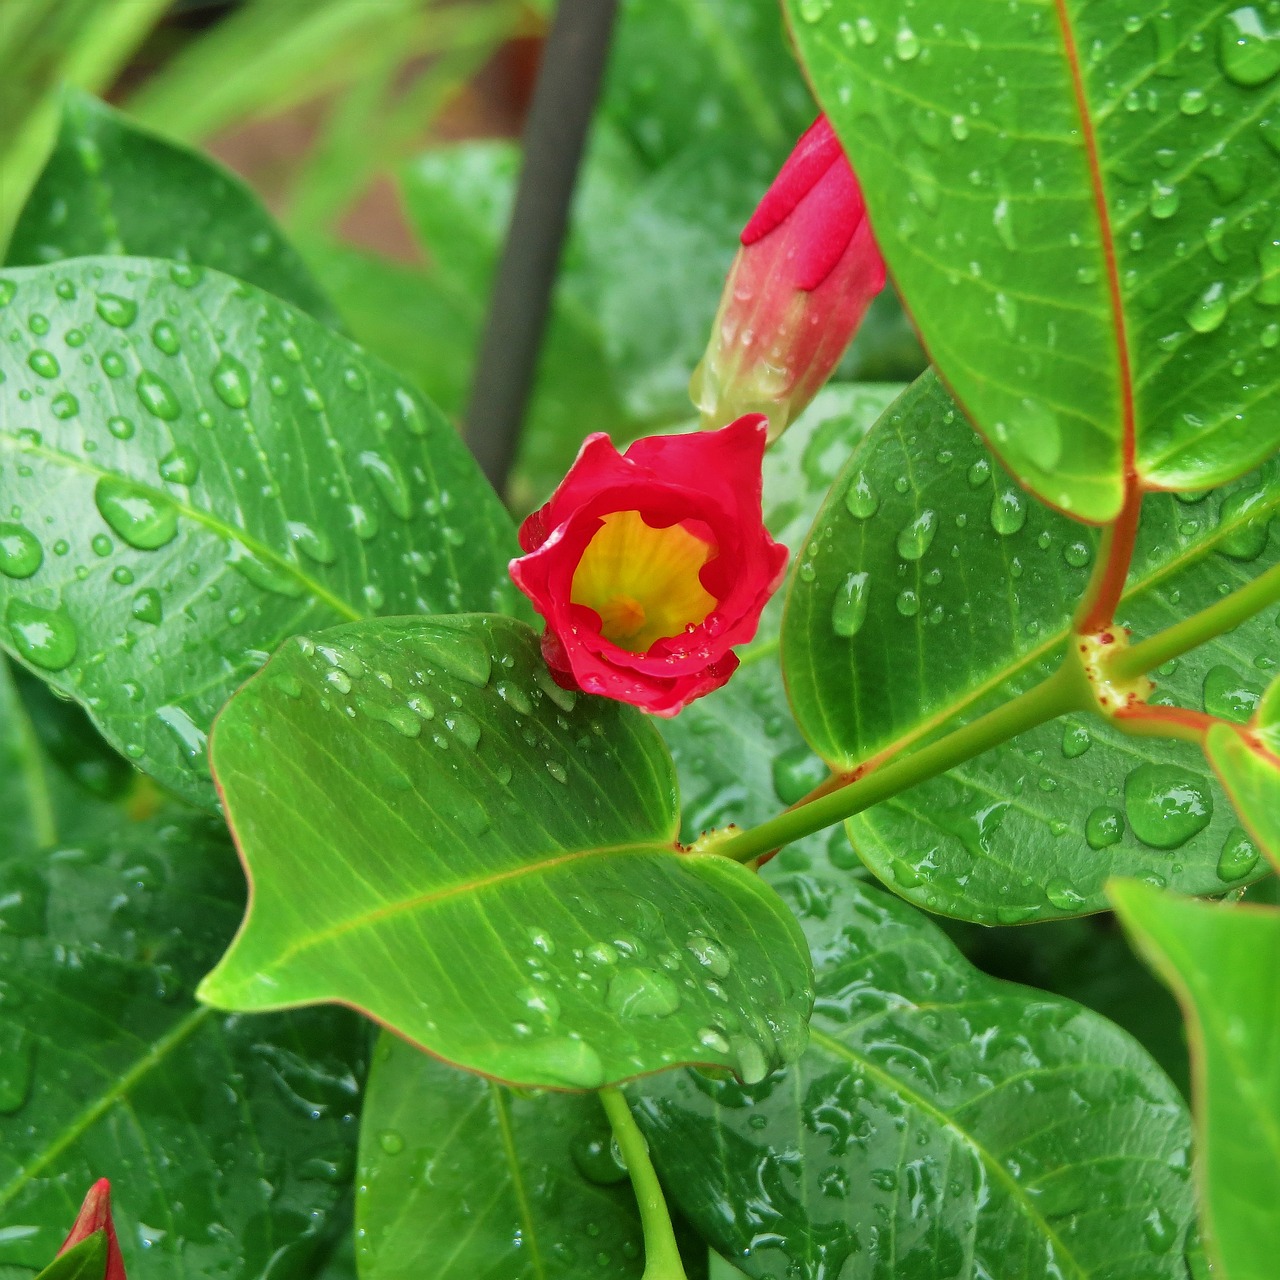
1229	612
661	1253
1066	690
1102	596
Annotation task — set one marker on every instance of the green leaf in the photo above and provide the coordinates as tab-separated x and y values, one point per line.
940	1123
232	1137
1077	212
737	751
491	865
1248	764
1221	963
932	589
84	1261
111	187
26	806
193	471
520	1186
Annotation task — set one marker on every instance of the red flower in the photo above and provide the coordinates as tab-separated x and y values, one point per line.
651	565
95	1215
801	283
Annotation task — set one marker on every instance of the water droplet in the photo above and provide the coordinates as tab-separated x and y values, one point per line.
860	499
64	405
45	363
1209	310
979	473
1246	533
1164	199
121	428
390	482
391	1142
157	396
796	772
1248	49
180	466
1008	512
144	518
1166	805
1077	554
45	637
20	551
595	1156
231	381
1193	102
191	737
711	955
1160	1230
1075	741
915	538
147	606
906	44
565	699
849	609
1228	696
563	1060
1104	827
557	771
1239	855
636	992
1002	220
265	575
115	310
465	728
165	337
515	697
313	544
907	603
1063	894
400	718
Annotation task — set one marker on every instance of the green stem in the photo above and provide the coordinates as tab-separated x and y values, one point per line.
661	1254
1064	691
1191	632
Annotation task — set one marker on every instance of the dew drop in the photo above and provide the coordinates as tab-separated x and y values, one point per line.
1248	49
1239	855
264	575
44	637
144	518
1075	741
796	772
389	481
1063	894
915	538
860	499
1008	512
45	363
1104	827
20	551
1166	805
157	396
191	737
180	466
637	992
391	1142
115	310
231	381
147	606
849	609
165	338
312	543
1228	696
1209	310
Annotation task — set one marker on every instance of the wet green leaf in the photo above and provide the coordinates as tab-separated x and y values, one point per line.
940	1123
84	1261
520	1185
1247	762
931	589
227	1140
112	187
192	471
1076	204
1221	963
443	799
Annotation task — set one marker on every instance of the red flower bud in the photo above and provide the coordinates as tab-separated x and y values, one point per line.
95	1215
801	283
651	565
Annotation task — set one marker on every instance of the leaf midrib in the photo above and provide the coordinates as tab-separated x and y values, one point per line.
198	516
994	1166
121	1088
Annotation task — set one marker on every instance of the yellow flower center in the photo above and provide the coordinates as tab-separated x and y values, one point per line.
642	581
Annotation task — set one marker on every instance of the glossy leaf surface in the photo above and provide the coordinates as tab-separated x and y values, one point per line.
940	1123
112	187
1221	963
84	1261
931	590
1247	762
491	865
192	471
1076	206
226	1139
461	1178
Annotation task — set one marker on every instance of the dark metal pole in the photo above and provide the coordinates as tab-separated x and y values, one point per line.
554	137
